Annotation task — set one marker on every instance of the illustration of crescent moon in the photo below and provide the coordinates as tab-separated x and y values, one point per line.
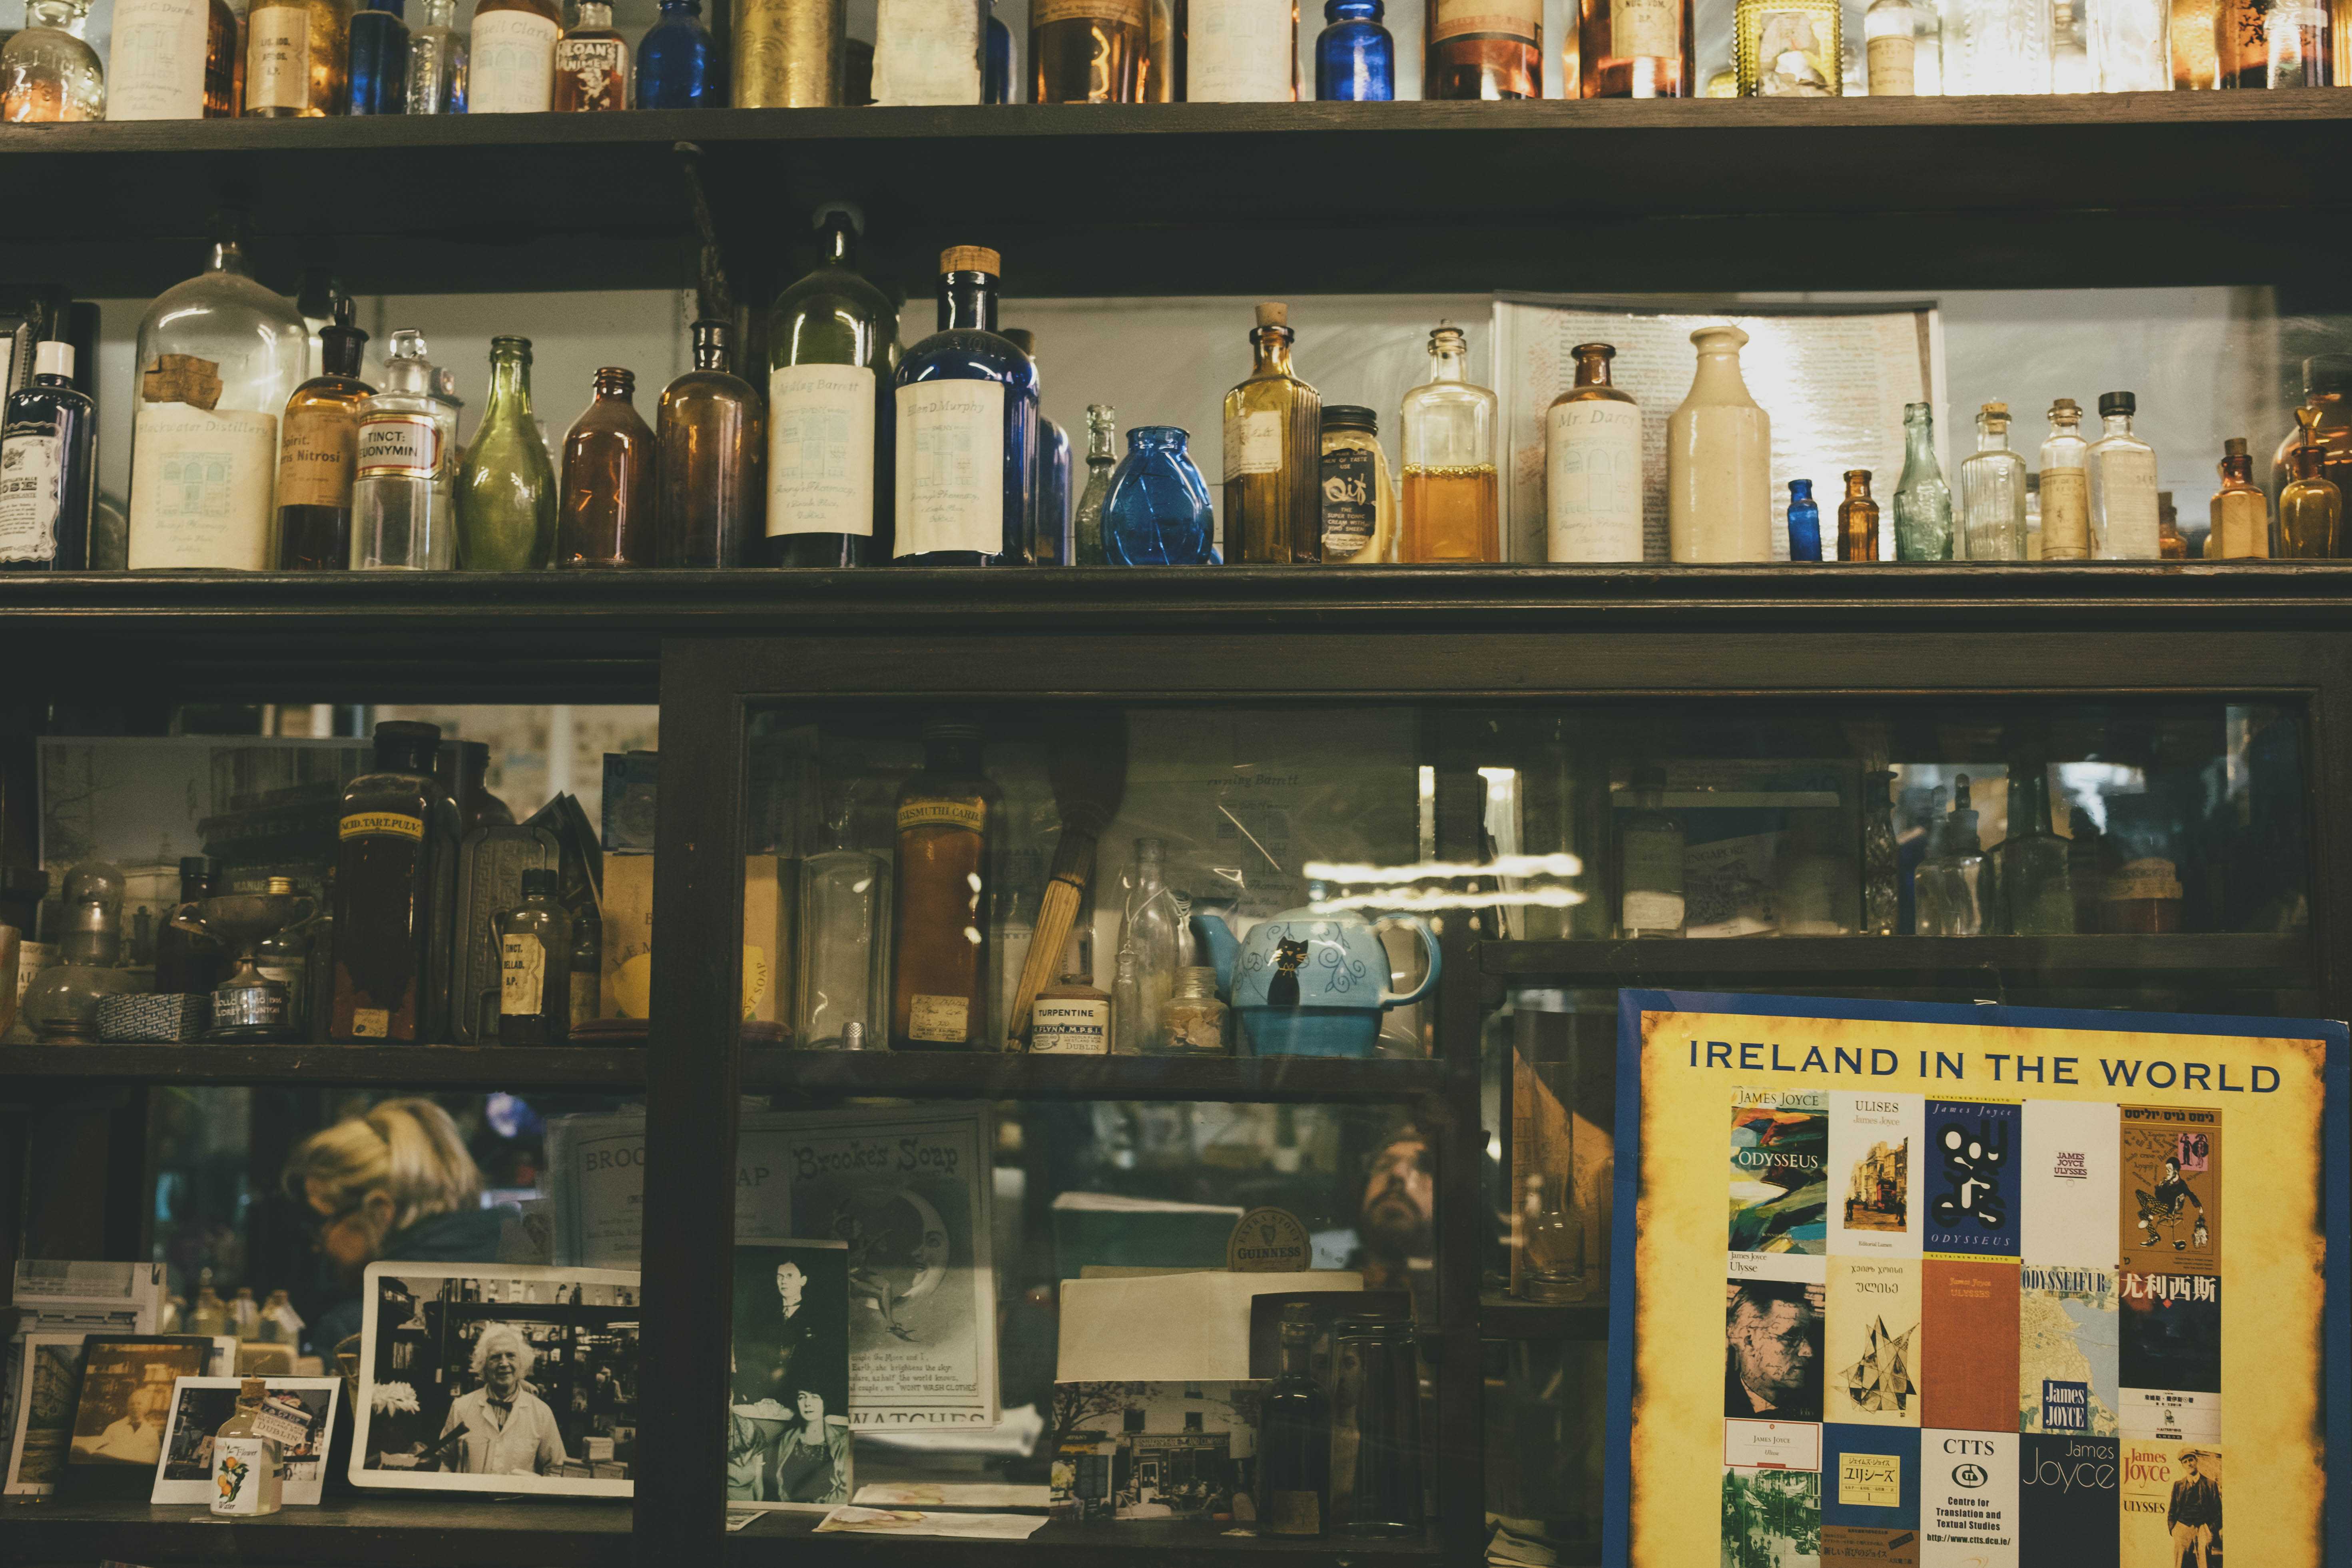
929	1280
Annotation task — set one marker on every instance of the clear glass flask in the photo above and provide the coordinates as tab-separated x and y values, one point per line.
2122	469
1148	934
843	957
1992	491
403	485
1445	444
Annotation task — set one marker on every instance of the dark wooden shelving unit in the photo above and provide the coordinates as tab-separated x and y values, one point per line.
2209	959
621	1069
1506	1318
783	1538
390	1529
956	1075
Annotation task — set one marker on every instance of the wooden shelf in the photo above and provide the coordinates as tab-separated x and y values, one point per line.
453	1532
994	1076
2204	960
620	1069
1506	1318
1629	196
782	1538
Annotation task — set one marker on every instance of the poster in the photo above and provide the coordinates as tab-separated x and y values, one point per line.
1999	1287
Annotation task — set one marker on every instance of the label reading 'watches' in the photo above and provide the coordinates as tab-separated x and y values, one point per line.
821	449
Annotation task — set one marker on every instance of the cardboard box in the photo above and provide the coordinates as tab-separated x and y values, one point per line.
771	886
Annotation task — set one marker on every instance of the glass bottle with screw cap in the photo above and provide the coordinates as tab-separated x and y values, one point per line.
832	355
606	518
1923	502
403	475
941	902
1992	491
1360	504
1445	449
2122	469
2311	508
247	1462
1272	455
967	429
535	966
2241	512
591	63
506	484
2066	487
1593	466
711	448
49	459
317	453
1857	518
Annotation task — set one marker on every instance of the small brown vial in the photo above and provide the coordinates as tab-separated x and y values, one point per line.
1857	518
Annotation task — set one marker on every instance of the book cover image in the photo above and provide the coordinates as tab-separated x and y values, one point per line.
1772	1518
2171	1189
2067	1500
1772	1350
2172	1331
2172	1415
1968	1333
1874	1149
1779	1172
1968	1500
1852	1546
2069	1184
2171	1496
2068	1332
1972	1177
1872	1339
1870	1476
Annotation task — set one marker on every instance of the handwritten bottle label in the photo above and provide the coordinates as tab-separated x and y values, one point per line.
29	469
950	480
314	460
200	488
1491	18
156	70
1242	51
1253	444
513	66
1647	27
821	449
938	1020
522	975
2128	510
927	51
1592	482
277	58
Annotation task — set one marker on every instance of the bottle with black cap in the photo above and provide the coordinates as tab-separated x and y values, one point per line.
1360	500
48	455
833	358
2122	468
316	454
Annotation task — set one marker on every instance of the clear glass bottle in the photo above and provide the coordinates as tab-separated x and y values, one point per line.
513	66
1551	1240
1158	511
2131	47
437	56
1482	50
1091	52
2071	66
1445	447
832	357
967	419
49	72
592	62
2037	898
1359	502
2240	513
379	67
60	1006
606	519
1355	57
792	54
317	453
1996	47
678	61
404	477
2241	42
1927	59
942	896
1629	49
1241	51
1923	502
1804	521
2065	486
709	431
1650	842
1147	931
2296	40
1963	874
506	497
175	60
1195	1019
1789	48
2311	507
1294	1442
395	890
283	958
845	962
48	468
1272	455
1992	491
535	965
1593	466
1102	457
297	58
587	965
218	356
1890	37
1881	859
1857	518
930	51
1049	538
247	1466
1927	877
2122	469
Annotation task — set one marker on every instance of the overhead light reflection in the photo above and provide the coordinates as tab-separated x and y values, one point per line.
1559	865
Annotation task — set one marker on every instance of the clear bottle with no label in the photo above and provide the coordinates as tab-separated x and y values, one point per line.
1148	933
1086	545
1923	502
844	956
2065	486
2036	894
2122	469
1445	447
404	477
1272	455
2240	513
1992	491
506	482
437	58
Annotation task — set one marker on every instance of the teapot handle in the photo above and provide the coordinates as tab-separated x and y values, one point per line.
1429	945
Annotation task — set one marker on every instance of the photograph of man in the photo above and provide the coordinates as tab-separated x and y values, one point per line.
501	1428
1772	1352
2167	1207
136	1437
2194	1515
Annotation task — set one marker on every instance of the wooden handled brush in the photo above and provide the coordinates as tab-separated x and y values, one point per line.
1085	759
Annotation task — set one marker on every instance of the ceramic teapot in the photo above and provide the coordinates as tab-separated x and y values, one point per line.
1310	984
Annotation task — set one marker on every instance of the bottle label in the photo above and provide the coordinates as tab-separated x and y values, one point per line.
786	56
2242	527
927	51
1891	60
399	446
314	459
383	824
2065	515
1592	482
277	58
522	975
1650	28
1242	51
248	1006
513	67
30	469
245	1475
969	815
1293	1513
951	466
284	1420
156	67
821	449
2127	506
1520	19
1110	13
938	1020
200	488
2149	879
598	68
1069	1026
372	1023
1253	444
1350	502
1652	881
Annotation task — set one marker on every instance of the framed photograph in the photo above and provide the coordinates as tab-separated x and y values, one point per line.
48	1382
497	1378
200	1405
124	1399
788	1420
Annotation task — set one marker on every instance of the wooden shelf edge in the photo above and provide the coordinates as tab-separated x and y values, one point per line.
2256	958
1508	1318
455	1066
1017	1076
341	1533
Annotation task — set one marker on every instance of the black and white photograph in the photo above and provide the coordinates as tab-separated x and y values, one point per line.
48	1386
498	1378
126	1395
202	1405
788	1416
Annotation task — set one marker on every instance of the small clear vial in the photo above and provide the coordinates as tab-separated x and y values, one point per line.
404	489
437	61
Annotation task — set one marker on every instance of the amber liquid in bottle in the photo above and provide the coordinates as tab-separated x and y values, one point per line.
1274	456
316	448
2311	507
1450	515
609	481
939	904
224	64
591	63
713	447
1629	49
395	866
1483	49
1087	51
1857	518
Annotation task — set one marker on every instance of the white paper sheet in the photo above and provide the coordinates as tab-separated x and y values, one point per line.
1173	1328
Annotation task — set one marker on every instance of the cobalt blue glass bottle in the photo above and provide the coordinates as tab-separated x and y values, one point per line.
967	429
1355	59
1051	546
677	62
380	59
1804	522
1158	513
997	84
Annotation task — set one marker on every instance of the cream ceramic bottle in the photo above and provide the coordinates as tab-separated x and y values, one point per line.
1720	460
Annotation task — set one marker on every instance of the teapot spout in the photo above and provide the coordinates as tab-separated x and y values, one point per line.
1218	938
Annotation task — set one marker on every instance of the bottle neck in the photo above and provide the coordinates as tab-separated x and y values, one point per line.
509	387
1591	370
1445	362
1919	437
615	391
711	356
957	757
2032	786
404	757
1101	442
967	302
2065	430
838	241
1273	350
1992	436
2239	470
2114	425
1298	1355
228	256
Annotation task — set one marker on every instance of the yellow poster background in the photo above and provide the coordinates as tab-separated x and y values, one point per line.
2272	1255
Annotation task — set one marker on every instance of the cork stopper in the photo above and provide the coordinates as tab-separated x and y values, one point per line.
1274	313
2235	446
2066	406
255	1389
1997	410
971	259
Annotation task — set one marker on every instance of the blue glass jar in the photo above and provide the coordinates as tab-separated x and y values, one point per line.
1355	59
1804	522
678	63
380	59
966	429
1158	513
996	80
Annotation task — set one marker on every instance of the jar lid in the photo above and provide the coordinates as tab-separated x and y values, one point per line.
1348	417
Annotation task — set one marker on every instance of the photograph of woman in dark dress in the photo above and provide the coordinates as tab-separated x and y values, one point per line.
788	1420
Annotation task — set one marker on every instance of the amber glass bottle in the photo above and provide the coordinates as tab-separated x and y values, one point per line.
1274	456
2240	512
1629	49
1857	518
609	481
1481	49
2310	509
591	63
297	58
315	448
396	885
939	912
1087	51
224	64
712	444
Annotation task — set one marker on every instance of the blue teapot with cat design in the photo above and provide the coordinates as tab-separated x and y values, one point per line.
1310	984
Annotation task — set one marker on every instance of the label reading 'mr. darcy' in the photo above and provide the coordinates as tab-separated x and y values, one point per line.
951	468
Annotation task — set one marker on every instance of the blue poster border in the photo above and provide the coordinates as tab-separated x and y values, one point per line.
2336	1199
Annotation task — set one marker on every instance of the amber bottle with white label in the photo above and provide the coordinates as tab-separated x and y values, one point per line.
1274	456
395	889
318	437
939	904
535	945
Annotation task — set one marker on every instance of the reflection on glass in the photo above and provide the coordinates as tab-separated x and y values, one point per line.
842	950
1147	935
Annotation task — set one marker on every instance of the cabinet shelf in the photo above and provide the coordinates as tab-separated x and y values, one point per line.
1000	1076
1651	194
619	1068
367	1531
1506	1318
2215	960
780	1538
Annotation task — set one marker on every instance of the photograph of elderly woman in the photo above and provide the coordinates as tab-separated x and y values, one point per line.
498	1379
788	1417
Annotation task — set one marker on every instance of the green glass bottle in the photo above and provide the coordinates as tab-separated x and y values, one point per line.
506	483
2035	869
1923	502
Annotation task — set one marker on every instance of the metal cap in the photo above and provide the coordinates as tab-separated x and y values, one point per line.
1350	417
2116	403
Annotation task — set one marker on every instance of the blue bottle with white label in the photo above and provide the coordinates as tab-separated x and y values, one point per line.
966	429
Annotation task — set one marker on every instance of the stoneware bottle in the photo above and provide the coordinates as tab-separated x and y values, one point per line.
1720	460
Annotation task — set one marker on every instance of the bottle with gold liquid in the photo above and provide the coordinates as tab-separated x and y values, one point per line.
1274	456
2241	512
1790	49
297	58
1857	518
1447	444
788	53
939	911
1483	49
1087	51
2310	509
